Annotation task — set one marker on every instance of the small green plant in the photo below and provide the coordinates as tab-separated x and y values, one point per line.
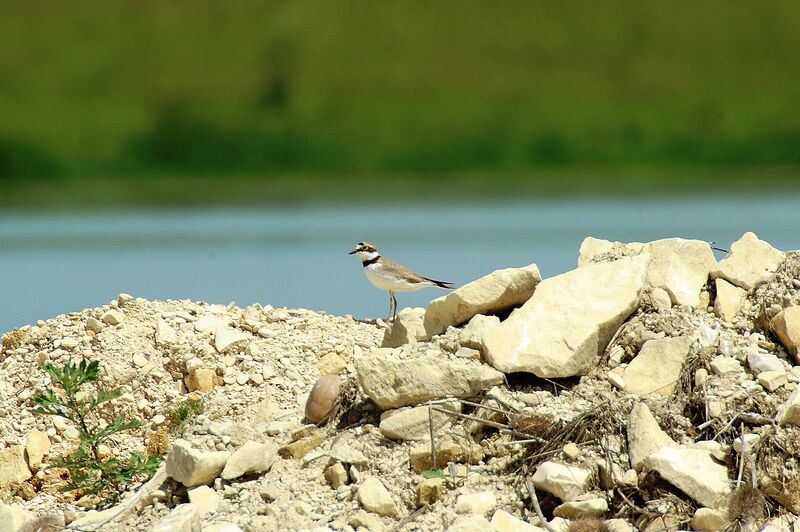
182	412
92	473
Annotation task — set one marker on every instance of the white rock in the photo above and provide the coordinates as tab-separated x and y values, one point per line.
472	523
471	335
493	293
346	454
479	503
205	499
694	472
772	380
468	352
94	325
789	412
679	267
221	526
210	322
251	458
113	317
503	521
721	365
761	362
366	520
13	467
616	380
660	299
406	328
565	326
375	498
584	507
787	326
392	382
226	338
192	467
617	525
14	518
749	261
563	481
37	444
709	520
729	300
413	424
644	435
183	518
165	335
746	441
657	367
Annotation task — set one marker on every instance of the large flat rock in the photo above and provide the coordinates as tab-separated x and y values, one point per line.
493	293
644	435
657	367
392	382
677	265
569	320
749	261
694	472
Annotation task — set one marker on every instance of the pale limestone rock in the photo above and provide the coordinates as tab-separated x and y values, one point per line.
413	424
660	299
493	293
571	451
37	444
563	481
472	523
729	300
565	326
406	328
694	472
657	366
183	518
678	266
503	521
374	497
616	380
331	364
200	380
362	519
430	490
644	435
595	250
221	526
226	338
392	382
589	506
13	518
113	317
13	467
205	499
472	334
761	362
709	520
479	503
681	268
617	525
336	475
165	334
446	451
210	322
746	442
720	365
94	325
468	353
345	453
787	326
749	261
789	412
192	467
249	459
772	380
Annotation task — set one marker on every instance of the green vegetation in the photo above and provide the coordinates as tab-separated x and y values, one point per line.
309	91
90	471
183	411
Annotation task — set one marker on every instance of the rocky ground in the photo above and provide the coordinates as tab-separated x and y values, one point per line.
652	388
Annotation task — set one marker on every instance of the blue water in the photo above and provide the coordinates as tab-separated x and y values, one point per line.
53	264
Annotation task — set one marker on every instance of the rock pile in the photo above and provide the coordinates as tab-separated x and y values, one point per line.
652	388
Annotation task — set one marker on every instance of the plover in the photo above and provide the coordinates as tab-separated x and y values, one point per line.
390	276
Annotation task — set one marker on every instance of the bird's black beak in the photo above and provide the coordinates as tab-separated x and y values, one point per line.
353	252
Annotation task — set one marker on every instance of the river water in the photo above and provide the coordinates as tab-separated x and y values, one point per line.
57	263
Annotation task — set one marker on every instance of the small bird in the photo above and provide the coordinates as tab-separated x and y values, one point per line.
390	276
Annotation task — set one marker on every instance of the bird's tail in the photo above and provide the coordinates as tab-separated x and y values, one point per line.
440	284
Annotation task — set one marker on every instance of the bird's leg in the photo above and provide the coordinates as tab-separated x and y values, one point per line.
391	306
394	306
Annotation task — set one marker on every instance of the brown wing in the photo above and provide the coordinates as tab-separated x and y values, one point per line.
412	277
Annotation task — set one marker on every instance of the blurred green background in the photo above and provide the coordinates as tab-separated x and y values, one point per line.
161	102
